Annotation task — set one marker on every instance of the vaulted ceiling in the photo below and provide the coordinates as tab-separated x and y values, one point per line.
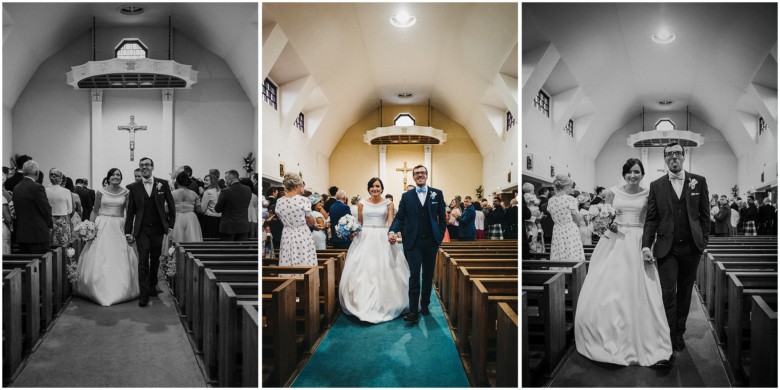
722	64
33	32
461	56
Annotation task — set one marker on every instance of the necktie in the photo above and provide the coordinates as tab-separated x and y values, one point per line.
421	190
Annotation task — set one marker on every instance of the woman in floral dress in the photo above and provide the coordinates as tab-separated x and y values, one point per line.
566	240
294	210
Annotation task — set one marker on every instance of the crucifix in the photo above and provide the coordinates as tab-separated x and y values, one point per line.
404	170
132	128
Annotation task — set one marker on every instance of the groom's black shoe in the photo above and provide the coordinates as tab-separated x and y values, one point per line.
412	317
143	302
424	311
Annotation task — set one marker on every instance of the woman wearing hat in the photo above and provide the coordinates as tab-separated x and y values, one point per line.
320	227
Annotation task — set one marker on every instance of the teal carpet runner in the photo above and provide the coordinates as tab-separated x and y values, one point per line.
117	346
390	354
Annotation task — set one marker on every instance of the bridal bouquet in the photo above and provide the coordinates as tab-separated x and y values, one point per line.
168	262
602	218
348	224
72	267
86	230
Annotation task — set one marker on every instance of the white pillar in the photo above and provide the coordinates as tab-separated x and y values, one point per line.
383	163
427	149
167	134
96	150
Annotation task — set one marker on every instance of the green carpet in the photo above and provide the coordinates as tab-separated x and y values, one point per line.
390	354
118	346
698	365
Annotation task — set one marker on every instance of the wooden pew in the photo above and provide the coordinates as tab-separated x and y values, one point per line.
524	331
184	267
743	285
211	310
328	287
12	322
280	357
486	295
546	320
462	311
446	283
451	303
307	288
461	301
232	296
250	345
706	273
506	342
763	342
192	277
46	285
717	304
31	299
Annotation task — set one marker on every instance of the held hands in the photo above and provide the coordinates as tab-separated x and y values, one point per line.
392	238
129	238
647	255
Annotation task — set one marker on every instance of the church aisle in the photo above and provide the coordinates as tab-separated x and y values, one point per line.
390	354
699	365
118	346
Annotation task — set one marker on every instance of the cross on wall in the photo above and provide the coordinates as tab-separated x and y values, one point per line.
132	128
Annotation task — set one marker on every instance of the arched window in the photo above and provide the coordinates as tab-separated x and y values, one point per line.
404	120
131	48
664	124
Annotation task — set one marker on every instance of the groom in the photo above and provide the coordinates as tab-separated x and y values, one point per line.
147	223
678	224
421	220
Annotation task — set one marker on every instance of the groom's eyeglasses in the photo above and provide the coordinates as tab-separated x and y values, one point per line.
420	173
673	154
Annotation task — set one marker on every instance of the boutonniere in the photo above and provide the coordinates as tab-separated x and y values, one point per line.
692	184
433	195
159	185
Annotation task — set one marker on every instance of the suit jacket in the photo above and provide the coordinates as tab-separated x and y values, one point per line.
135	205
407	220
467	229
766	214
233	203
338	210
87	197
33	212
659	223
546	222
17	177
723	220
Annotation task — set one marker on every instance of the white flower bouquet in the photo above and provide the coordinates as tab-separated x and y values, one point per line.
348	224
72	266
86	230
602	218
168	262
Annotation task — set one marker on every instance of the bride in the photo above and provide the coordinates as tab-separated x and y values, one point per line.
620	313
108	267
375	280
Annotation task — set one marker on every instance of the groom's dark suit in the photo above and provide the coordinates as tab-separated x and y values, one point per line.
148	223
422	229
680	228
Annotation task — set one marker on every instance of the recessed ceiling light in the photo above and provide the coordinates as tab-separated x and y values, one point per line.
402	19
664	102
404	95
663	37
131	9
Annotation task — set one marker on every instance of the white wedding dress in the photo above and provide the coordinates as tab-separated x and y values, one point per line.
108	266
620	315
375	281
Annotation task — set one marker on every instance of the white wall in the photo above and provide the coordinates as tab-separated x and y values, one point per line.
554	147
500	161
214	122
7	136
761	157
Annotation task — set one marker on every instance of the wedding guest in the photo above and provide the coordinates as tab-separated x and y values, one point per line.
137	175
748	217
466	229
479	221
78	209
271	195
545	220
210	218
353	208
409	187
186	203
87	198
233	203
566	241
599	196
722	219
16	178
252	212
734	219
332	200
61	203
297	244
714	210
765	218
319	228
585	234
494	221
33	212
7	218
338	210
390	196
511	220
273	225
525	239
193	184
452	222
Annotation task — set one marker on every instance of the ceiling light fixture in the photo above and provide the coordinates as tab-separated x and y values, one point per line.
663	37
664	102
402	20
131	9
404	95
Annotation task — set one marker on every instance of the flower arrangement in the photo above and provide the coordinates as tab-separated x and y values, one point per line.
168	262
348	224
72	266
86	230
249	160
602	218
